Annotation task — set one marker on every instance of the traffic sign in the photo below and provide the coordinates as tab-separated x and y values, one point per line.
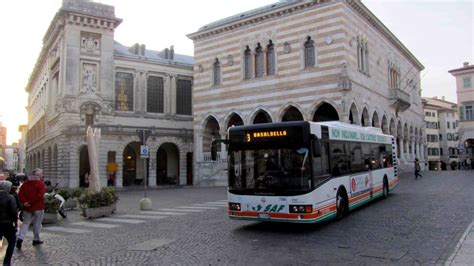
144	152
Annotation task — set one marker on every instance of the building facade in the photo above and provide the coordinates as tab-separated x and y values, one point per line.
83	77
303	60
441	119
465	92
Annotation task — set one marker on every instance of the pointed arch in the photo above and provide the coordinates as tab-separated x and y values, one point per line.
354	115
291	113
234	119
210	131
384	125
261	116
365	120
375	120
325	112
392	126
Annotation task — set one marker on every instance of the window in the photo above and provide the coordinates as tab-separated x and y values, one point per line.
469	115
363	55
393	77
258	61
123	91
427	113
449	136
461	113
440	137
448	124
434	114
270	58
466	82
89	120
309	53
441	151
247	63
217	72
155	97
184	97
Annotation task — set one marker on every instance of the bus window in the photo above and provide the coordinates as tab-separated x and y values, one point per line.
321	164
387	156
375	156
339	158
356	157
366	156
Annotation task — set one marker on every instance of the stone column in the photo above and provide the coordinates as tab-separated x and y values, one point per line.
172	99
167	94
402	155
223	146
119	173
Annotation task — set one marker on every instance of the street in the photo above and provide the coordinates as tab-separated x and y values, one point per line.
420	223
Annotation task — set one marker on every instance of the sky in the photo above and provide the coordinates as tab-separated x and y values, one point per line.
439	33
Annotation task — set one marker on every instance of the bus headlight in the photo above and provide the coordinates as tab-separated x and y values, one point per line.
301	208
234	206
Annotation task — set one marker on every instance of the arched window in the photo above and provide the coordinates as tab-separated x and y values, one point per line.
309	53
270	58
217	72
247	63
259	61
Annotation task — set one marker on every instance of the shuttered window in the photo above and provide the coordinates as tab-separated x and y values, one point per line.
247	64
270	58
217	72
309	53
258	62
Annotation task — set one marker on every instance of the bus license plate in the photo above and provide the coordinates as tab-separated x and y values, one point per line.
264	216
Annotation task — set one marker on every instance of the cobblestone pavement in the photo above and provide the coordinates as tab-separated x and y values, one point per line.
420	223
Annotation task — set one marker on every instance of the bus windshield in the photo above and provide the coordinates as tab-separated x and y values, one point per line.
270	171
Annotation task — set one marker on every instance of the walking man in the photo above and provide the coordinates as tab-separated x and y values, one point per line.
8	219
417	169
32	197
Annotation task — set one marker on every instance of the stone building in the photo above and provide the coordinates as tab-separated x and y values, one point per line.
465	92
83	77
3	145
441	118
23	129
303	60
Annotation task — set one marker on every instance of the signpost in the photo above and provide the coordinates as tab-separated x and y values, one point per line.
143	134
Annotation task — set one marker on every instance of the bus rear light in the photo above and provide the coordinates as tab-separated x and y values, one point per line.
234	206
301	208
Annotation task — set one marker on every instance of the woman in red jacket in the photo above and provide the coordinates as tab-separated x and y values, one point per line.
32	198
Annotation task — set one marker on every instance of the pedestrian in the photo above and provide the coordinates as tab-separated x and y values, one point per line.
417	169
8	219
32	198
468	163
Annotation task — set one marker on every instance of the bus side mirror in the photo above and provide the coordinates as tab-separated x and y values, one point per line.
316	147
214	143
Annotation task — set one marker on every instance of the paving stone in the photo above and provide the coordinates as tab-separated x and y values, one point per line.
151	244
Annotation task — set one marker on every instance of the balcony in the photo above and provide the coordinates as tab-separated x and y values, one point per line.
400	99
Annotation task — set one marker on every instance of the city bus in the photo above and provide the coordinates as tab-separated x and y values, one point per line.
306	172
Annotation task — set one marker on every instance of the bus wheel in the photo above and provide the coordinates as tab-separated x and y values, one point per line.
341	205
385	188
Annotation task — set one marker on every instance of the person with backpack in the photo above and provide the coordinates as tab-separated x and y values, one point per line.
417	169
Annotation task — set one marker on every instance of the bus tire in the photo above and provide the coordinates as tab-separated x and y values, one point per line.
342	204
386	189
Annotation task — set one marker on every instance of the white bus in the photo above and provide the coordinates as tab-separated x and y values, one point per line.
306	172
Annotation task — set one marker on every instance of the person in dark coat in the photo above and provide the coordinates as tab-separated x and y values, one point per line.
417	169
8	219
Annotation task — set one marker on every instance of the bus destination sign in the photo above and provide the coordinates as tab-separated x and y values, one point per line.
267	134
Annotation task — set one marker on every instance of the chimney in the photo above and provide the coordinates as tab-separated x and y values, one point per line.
442	97
142	49
167	52
466	64
172	52
134	49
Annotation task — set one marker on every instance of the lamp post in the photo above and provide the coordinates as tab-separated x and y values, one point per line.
143	134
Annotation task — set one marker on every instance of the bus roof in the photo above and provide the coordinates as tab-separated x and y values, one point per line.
344	131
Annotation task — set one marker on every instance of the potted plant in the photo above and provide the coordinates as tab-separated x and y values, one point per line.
71	196
102	203
51	205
